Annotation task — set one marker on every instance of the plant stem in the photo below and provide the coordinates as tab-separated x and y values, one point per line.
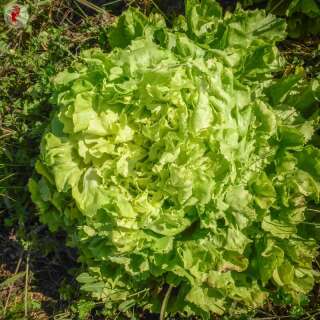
11	287
165	302
26	287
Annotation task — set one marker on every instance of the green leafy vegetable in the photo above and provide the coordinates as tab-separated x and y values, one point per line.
178	159
303	16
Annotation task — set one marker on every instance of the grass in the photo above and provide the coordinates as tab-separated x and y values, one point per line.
36	268
33	262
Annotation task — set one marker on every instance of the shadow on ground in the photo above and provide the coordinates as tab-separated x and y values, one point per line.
48	266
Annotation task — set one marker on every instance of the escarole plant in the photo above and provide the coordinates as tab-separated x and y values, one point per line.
180	160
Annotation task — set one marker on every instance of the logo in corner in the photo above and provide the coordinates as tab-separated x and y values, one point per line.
16	15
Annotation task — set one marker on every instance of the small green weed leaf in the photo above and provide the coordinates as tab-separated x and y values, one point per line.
12	280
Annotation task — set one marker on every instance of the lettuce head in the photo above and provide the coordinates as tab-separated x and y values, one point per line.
180	160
